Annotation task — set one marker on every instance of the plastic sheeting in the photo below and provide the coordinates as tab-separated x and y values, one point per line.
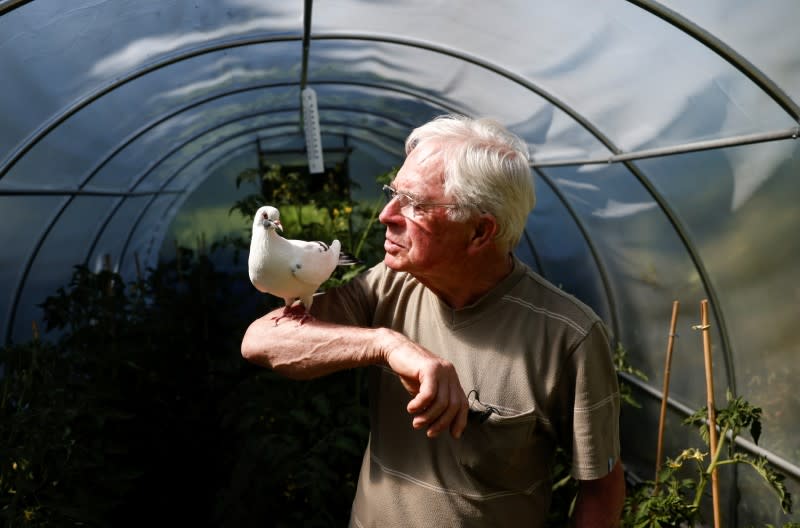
662	136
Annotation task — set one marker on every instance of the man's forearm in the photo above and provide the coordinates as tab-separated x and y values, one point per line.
316	348
599	503
312	349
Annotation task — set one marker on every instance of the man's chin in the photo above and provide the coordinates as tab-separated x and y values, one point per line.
392	262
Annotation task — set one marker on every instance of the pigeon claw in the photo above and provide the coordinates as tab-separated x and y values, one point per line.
296	312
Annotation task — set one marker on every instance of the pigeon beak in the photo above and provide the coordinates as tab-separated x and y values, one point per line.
277	225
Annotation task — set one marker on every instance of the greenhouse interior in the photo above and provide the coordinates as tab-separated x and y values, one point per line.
138	137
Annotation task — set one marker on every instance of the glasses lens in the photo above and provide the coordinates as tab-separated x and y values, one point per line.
407	207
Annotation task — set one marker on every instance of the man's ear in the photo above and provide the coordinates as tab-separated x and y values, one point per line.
484	231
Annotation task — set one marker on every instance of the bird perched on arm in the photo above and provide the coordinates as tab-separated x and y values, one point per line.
290	269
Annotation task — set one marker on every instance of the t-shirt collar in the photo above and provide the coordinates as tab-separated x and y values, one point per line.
462	316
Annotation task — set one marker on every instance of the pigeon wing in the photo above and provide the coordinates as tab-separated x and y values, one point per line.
313	262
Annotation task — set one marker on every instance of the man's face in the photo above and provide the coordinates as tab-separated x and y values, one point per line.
427	245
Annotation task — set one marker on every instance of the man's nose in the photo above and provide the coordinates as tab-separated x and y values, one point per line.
390	214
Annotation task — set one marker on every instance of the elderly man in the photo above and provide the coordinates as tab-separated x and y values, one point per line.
464	339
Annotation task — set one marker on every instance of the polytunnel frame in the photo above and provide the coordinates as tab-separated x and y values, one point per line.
656	9
247	41
40	133
162	190
11	5
256	40
592	129
152	124
170	59
260	149
169	115
223	140
723	50
186	164
601	268
155	193
258	139
730	56
619	156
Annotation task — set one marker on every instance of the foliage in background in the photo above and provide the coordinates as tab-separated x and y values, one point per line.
317	207
678	501
622	364
143	412
675	499
112	419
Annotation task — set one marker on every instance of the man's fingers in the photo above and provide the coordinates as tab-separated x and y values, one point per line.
436	405
442	421
448	411
428	390
433	416
454	417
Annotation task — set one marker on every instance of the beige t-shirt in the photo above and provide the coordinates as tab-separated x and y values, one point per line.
538	371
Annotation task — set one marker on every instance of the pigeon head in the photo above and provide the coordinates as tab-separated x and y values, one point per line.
269	217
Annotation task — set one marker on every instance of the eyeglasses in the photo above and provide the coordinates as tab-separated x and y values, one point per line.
410	207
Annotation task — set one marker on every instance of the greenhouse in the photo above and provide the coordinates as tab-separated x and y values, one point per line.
137	136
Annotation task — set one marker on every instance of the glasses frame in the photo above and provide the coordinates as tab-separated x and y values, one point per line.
417	207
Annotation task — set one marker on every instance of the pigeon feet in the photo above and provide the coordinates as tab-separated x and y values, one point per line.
296	311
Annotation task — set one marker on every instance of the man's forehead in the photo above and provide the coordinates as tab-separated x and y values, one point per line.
427	153
418	174
424	163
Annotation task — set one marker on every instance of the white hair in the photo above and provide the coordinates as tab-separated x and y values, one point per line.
485	166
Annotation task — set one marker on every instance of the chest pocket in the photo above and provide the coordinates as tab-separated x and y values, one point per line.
501	450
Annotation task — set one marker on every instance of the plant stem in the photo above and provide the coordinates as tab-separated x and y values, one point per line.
715	461
701	486
368	228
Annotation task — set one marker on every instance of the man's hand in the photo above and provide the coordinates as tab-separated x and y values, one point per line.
438	401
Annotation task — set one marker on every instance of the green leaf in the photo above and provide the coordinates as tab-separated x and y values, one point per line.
772	477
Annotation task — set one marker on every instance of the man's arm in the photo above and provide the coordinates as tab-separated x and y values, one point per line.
317	348
599	503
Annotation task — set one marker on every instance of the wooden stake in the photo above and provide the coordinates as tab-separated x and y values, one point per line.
712	412
665	392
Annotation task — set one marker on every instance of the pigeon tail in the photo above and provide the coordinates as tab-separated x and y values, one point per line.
346	259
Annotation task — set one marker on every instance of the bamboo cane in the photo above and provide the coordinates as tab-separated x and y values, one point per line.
665	392
712	413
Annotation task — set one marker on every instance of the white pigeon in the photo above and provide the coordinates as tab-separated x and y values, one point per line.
290	269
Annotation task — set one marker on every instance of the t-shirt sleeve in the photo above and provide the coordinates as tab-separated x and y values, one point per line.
595	421
350	304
